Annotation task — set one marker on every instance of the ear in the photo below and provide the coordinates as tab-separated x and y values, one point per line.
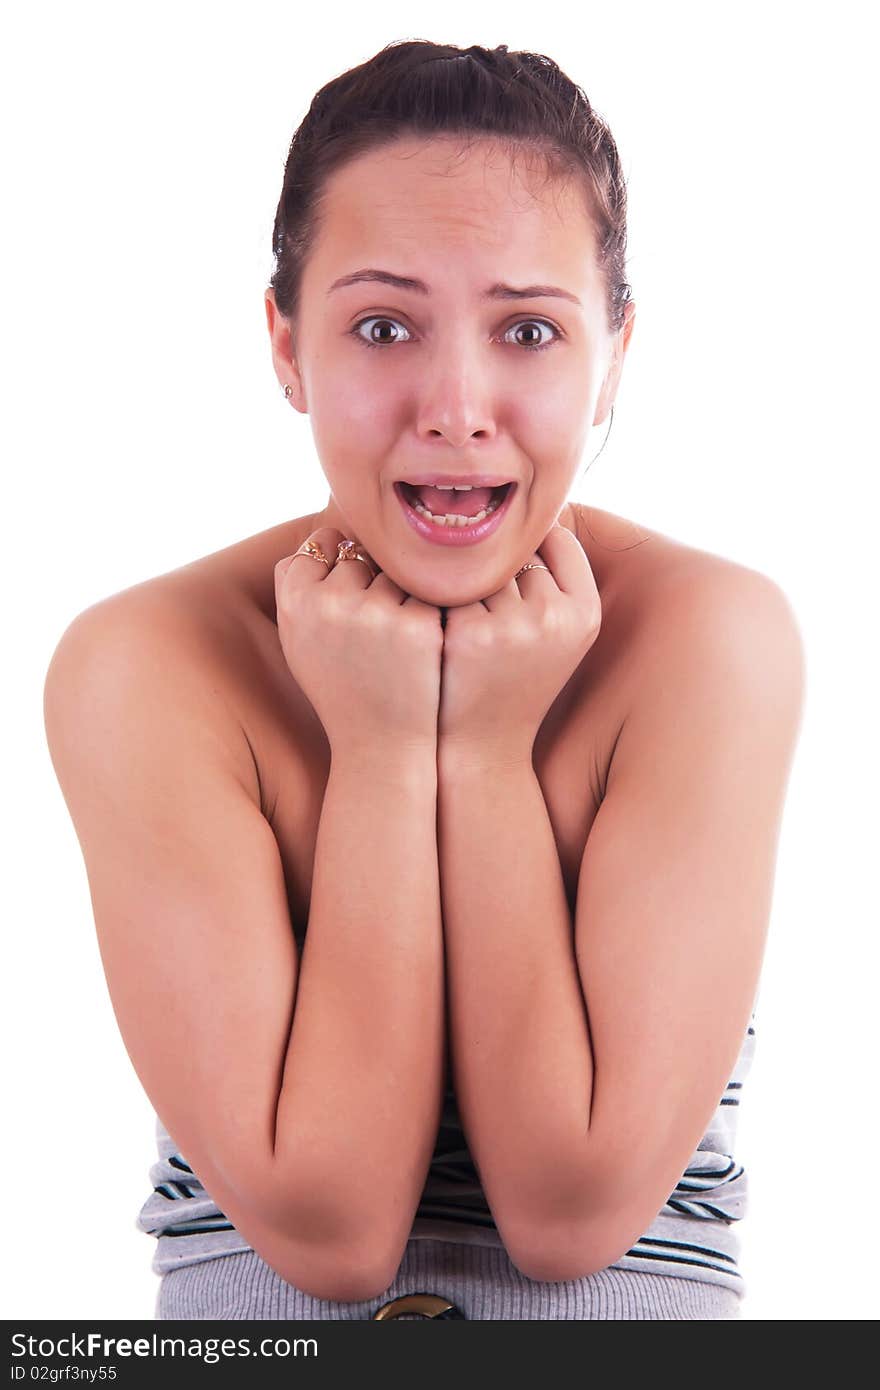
619	345
286	368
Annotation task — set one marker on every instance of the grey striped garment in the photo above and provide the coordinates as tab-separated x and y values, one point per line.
693	1236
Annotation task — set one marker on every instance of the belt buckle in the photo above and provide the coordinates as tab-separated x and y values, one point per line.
426	1305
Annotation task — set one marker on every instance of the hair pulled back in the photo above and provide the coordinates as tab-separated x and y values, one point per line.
414	87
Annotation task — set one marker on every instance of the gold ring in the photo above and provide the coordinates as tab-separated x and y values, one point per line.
348	550
426	1305
314	552
531	566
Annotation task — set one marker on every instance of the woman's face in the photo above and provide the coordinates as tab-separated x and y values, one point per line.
462	377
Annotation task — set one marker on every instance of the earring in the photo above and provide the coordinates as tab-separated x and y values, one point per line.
288	391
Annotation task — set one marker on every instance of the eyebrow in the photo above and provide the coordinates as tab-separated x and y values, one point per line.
496	291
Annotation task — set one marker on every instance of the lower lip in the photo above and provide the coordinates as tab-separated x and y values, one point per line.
455	535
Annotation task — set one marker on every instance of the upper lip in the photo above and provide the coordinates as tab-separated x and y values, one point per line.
457	480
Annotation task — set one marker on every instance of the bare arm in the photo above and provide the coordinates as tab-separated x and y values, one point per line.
582	1119
523	1069
314	1138
362	1088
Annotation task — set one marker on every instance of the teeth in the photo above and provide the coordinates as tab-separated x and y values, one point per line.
451	518
454	487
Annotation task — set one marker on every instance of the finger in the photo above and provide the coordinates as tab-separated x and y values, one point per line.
508	596
354	565
520	586
301	569
564	555
385	588
536	579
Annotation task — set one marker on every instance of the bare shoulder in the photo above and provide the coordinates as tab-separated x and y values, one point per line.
166	642
690	619
651	573
205	633
670	605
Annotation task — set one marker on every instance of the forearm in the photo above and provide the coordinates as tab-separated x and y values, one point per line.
521	1056
361	1094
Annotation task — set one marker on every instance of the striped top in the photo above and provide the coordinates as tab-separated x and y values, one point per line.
693	1236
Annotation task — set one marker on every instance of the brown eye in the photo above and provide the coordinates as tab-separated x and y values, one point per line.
371	341
533	324
387	340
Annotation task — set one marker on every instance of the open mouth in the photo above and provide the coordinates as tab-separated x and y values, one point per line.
453	507
455	517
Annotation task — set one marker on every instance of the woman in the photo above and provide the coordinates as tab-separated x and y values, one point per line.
517	780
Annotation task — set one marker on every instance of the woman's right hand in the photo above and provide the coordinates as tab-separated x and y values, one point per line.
366	654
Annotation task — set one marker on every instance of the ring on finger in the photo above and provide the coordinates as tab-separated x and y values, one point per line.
348	550
314	552
532	565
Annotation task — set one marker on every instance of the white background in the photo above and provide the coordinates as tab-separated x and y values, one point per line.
143	427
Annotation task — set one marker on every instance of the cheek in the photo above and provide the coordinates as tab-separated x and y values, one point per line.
560	403
349	402
551	426
351	425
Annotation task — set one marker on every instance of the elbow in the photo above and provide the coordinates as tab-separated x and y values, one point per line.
351	1274
339	1270
554	1251
324	1251
341	1275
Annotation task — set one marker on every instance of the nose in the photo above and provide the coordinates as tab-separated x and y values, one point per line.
458	403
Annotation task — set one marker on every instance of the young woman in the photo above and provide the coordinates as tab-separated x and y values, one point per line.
431	837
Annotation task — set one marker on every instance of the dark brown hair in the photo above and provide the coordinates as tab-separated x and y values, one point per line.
413	87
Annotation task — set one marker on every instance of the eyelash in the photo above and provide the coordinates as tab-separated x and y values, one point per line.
385	318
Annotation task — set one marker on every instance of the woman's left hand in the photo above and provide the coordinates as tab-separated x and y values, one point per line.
506	657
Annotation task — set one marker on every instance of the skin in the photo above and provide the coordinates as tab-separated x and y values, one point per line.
459	389
599	633
530	412
456	391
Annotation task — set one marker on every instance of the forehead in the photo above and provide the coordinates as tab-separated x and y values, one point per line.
438	197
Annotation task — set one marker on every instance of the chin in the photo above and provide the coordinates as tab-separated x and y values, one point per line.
446	601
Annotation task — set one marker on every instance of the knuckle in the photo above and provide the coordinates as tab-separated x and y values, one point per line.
480	636
373	617
327	605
